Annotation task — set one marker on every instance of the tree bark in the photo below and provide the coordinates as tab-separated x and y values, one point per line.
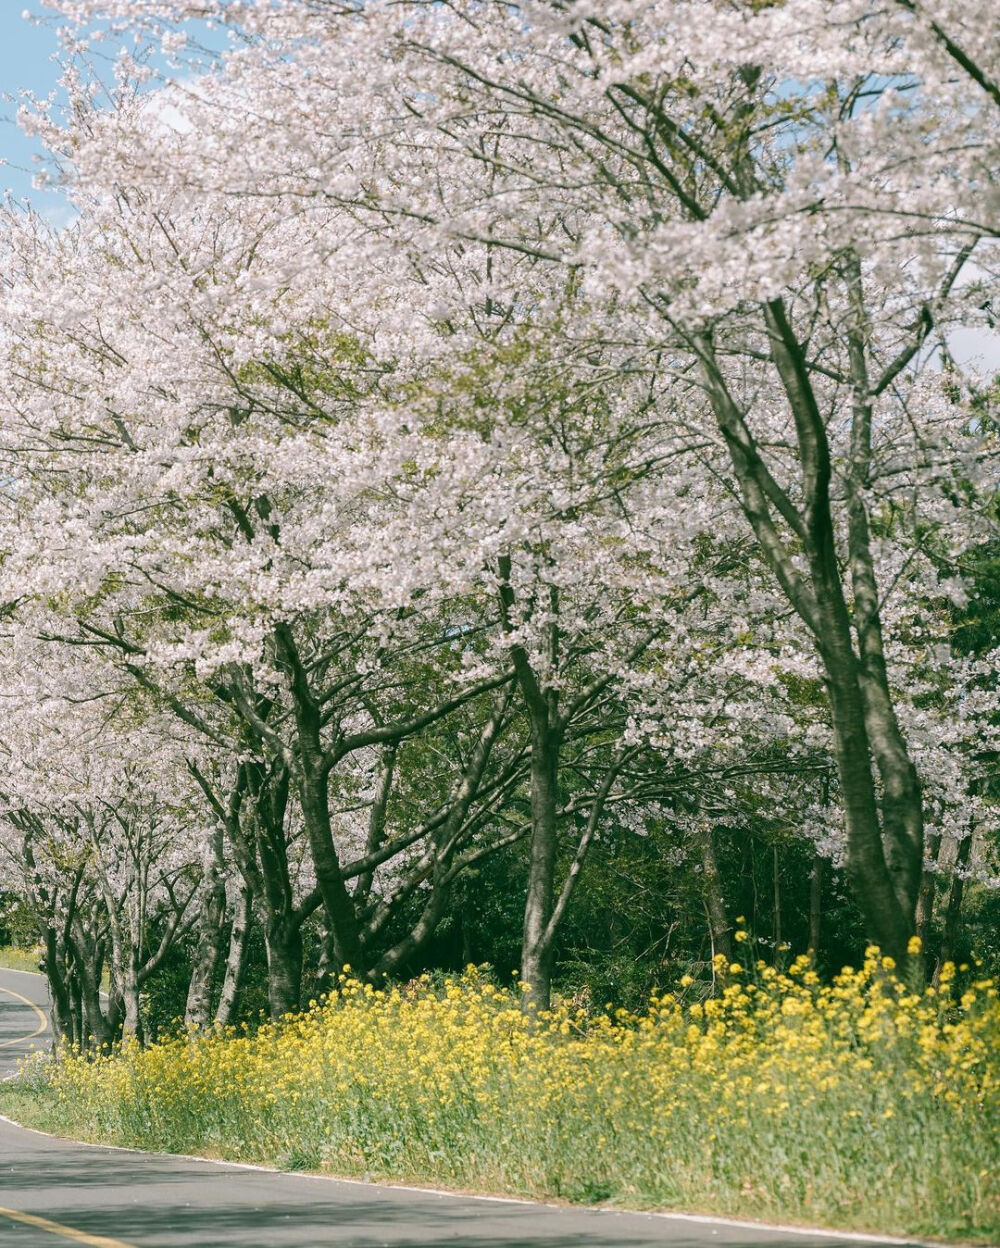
283	941
928	893
283	919
211	935
953	913
64	1020
536	950
96	1028
254	817
377	817
888	924
901	800
314	795
547	729
815	906
236	960
720	925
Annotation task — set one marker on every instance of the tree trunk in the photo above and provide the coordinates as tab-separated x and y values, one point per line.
953	913
444	863
547	730
326	968
901	805
536	949
76	997
60	994
421	932
95	1029
720	925
211	935
283	939
282	925
377	817
928	893
129	987
815	906
341	916
236	960
314	795
887	922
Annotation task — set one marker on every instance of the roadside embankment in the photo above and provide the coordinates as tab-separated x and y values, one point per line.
859	1104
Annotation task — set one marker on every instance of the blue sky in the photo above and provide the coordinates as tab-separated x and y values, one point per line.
25	64
27	49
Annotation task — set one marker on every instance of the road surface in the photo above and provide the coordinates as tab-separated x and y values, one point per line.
56	1192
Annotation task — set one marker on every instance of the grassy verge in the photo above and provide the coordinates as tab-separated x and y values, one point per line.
15	959
859	1105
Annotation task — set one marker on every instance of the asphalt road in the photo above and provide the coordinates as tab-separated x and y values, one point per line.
56	1191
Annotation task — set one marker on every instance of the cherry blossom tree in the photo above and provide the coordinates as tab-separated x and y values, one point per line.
100	829
784	200
424	308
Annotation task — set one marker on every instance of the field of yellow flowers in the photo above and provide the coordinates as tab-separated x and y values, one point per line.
859	1103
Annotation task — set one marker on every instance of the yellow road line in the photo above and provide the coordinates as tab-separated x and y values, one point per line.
67	1232
43	1022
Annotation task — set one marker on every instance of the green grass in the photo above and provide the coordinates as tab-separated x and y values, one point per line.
15	959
